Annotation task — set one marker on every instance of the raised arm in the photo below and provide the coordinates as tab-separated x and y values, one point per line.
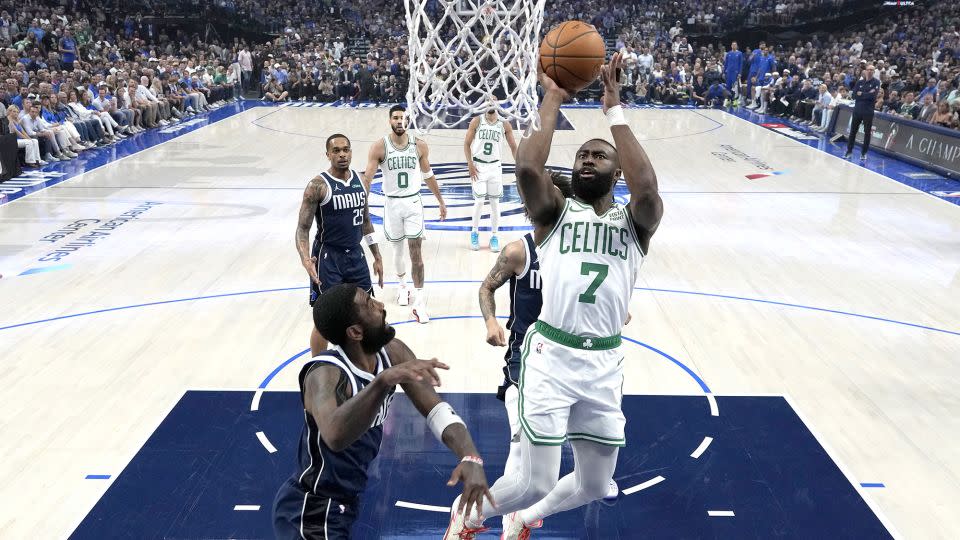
510	263
341	417
431	179
511	140
454	435
315	192
541	198
374	157
646	207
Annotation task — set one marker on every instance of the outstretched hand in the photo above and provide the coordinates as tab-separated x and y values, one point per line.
611	86
550	86
475	487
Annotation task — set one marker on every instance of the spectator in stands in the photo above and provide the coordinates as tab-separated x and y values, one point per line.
25	141
272	91
68	50
910	108
944	117
929	90
698	92
245	60
928	109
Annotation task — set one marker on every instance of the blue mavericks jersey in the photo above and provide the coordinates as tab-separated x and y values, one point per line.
340	475
340	214
525	296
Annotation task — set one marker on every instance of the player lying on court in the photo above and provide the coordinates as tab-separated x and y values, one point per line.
337	200
346	393
571	375
519	265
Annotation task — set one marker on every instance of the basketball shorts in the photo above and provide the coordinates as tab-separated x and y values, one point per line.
489	182
299	515
403	218
570	393
337	265
511	371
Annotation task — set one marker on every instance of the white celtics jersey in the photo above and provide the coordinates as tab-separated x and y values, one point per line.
401	169
488	141
589	265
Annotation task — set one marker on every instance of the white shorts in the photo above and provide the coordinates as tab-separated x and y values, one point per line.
489	182
403	218
570	393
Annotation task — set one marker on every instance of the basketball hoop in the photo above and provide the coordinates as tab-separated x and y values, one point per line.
462	52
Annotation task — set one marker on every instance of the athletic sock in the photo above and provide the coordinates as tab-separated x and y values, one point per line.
477	210
494	215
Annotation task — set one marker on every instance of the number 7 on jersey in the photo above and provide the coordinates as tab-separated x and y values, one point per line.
589	296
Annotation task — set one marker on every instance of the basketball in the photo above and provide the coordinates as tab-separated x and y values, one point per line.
571	54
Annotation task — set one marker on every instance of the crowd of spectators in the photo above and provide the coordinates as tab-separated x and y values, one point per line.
77	74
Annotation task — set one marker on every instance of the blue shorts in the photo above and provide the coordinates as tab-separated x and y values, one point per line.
317	517
511	371
337	265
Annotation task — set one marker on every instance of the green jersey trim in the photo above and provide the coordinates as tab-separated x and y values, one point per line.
578	342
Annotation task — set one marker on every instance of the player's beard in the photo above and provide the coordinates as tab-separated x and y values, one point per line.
376	337
398	131
593	189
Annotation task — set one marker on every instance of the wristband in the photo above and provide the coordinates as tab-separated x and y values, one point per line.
427	175
472	459
370	239
615	116
441	417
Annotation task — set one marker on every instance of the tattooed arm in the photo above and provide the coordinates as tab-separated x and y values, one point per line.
341	417
316	192
510	263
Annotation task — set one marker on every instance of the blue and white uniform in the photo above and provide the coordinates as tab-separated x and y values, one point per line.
320	500
339	216
525	302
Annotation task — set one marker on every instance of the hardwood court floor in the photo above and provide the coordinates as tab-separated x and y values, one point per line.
729	291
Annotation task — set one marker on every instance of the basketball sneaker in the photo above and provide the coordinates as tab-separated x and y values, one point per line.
514	529
403	296
458	529
475	241
613	491
420	308
494	244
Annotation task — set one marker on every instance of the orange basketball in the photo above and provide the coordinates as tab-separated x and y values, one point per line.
571	54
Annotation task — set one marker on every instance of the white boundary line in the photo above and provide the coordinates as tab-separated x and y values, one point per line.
887	178
255	404
427	507
720	513
136	153
649	483
714	410
266	442
702	448
843	468
113	477
246	507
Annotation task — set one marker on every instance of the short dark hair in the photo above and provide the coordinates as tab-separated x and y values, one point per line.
336	136
334	311
606	142
396	108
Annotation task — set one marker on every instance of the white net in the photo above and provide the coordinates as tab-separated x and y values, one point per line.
465	54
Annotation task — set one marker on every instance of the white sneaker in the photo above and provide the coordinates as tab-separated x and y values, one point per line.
458	529
420	313
613	491
403	296
514	529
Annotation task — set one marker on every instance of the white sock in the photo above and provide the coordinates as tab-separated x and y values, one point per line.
400	260
494	214
477	210
419	298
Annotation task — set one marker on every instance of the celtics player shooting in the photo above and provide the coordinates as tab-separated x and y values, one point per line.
482	148
405	163
590	249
